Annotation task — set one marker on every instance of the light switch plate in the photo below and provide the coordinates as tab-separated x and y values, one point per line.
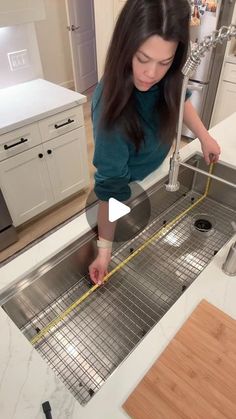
18	59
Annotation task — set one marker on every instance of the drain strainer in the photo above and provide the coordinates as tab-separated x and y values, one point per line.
203	225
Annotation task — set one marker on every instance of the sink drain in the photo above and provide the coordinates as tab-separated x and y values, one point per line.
203	225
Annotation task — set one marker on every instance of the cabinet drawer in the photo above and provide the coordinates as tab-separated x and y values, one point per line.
21	139
230	72
62	122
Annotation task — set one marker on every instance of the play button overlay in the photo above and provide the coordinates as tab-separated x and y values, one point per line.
131	216
117	209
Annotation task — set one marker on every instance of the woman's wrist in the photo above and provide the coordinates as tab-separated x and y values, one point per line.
204	138
104	253
104	244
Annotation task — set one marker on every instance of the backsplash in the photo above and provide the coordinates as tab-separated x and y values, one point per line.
19	55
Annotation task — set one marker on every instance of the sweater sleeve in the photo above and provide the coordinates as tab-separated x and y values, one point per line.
188	94
111	157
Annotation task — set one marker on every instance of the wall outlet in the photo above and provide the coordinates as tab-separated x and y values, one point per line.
18	59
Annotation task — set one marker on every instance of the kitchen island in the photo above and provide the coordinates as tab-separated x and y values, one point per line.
27	381
43	148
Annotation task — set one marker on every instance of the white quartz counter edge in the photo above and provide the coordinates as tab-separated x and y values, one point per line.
25	381
29	102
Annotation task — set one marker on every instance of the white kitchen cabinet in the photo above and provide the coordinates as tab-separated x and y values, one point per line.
14	12
43	149
25	184
225	103
36	179
67	163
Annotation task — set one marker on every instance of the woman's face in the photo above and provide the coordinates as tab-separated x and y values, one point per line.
152	61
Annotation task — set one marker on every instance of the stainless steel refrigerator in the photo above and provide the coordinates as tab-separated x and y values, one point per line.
204	82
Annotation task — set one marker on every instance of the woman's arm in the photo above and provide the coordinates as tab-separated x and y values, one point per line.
106	230
210	148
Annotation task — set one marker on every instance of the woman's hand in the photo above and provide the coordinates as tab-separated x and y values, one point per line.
99	267
211	149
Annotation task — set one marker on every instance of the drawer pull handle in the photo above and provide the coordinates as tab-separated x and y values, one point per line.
49	151
40	155
22	140
65	123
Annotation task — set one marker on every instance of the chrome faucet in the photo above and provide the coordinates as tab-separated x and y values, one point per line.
229	266
225	33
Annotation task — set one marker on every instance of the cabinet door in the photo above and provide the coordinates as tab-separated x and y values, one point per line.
226	102
25	184
67	163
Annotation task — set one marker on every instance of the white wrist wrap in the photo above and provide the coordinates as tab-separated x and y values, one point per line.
104	244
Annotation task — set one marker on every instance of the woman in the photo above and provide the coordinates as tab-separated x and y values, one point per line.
135	106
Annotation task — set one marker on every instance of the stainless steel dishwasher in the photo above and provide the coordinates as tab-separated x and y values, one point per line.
96	336
8	233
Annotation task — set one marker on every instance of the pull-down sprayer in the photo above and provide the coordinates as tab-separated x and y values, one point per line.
225	33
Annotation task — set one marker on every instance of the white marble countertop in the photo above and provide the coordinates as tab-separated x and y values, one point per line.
31	101
25	379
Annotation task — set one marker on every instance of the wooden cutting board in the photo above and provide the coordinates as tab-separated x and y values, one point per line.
195	377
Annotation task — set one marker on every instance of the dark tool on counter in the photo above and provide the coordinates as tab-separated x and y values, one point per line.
47	410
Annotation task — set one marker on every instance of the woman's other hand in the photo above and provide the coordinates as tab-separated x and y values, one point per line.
99	267
211	150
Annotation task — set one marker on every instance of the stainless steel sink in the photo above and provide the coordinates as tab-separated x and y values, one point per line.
91	342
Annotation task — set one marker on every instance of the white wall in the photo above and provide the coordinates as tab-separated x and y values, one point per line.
54	44
17	12
18	38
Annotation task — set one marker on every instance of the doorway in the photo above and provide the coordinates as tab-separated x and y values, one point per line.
81	28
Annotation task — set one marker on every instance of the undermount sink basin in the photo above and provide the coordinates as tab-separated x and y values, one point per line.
95	337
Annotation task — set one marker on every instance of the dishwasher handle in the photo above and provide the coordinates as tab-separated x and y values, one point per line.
47	410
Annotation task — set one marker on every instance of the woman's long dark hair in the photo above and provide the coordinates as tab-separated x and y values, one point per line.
140	19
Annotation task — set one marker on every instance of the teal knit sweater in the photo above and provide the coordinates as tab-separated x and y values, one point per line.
115	157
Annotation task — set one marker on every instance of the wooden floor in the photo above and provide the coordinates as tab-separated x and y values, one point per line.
39	226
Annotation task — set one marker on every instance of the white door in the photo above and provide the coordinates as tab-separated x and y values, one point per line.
80	16
26	185
67	163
